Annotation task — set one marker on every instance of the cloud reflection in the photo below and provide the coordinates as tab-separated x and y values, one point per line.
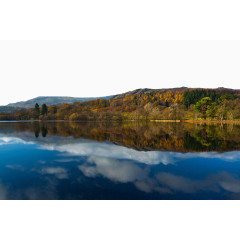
108	150
111	151
122	165
162	182
115	170
59	172
170	183
12	140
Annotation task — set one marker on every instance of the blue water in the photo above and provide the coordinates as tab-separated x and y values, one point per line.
66	167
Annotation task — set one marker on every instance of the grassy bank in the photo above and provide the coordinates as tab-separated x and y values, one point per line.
236	121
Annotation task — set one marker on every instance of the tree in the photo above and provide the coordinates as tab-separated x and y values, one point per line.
211	110
36	129
176	112
221	112
37	107
148	109
36	111
202	106
44	109
44	131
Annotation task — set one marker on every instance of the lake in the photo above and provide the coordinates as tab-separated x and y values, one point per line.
133	160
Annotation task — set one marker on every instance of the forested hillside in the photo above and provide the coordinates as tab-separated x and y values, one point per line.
142	104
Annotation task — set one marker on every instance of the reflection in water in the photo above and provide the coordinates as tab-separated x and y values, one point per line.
60	160
59	172
36	129
140	136
112	169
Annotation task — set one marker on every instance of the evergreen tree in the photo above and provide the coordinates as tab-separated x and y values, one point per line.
44	109
44	131
37	111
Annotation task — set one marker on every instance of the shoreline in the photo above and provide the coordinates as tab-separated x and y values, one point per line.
237	121
199	121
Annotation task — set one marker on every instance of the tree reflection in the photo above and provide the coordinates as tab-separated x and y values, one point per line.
44	131
182	137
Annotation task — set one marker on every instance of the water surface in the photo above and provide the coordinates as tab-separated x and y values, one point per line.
62	160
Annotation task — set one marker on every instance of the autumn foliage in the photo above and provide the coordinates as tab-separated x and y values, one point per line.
175	104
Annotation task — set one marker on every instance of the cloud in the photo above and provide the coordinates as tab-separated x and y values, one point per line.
59	172
162	182
213	183
227	181
225	156
15	166
115	170
180	183
107	150
12	140
67	160
149	185
48	190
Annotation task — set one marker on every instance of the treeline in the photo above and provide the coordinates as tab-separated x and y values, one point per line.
171	104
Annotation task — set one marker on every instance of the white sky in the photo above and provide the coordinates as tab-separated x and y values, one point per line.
98	68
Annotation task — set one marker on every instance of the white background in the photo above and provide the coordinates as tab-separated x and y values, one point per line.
122	20
99	68
119	220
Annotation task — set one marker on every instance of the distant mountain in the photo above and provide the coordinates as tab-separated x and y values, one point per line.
52	101
9	109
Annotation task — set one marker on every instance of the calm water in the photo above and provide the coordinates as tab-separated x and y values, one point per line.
111	161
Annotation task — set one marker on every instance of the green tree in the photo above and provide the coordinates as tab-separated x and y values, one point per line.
44	131
221	112
202	106
211	110
36	111
44	109
37	108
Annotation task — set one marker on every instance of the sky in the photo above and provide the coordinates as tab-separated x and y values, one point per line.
99	68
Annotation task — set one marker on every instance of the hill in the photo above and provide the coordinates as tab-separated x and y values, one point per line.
52	101
140	104
9	109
